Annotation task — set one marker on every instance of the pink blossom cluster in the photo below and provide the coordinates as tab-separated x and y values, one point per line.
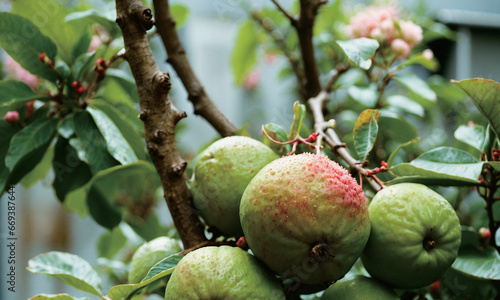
19	73
383	24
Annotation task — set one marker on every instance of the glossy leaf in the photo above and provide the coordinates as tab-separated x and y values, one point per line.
40	171
485	94
360	51
14	91
419	59
125	80
30	139
65	128
83	44
75	202
90	144
473	136
483	265
162	269
180	14
90	17
441	166
7	130
367	96
70	268
24	42
244	54
405	104
365	132
299	113
110	243
56	297
70	172
396	127
117	145
412	82
83	64
392	157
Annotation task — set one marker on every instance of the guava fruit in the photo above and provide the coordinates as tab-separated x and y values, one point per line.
358	288
221	174
150	253
415	236
306	218
222	273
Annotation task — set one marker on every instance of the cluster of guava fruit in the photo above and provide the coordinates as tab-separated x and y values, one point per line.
306	221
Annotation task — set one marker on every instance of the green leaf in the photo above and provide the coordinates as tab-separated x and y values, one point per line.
90	17
83	64
70	172
406	104
133	138
485	94
162	269
180	14
244	54
472	136
365	132
419	59
117	145
30	139
299	113
56	297
65	128
126	81
412	82
24	42
367	96
90	144
277	133
40	171
483	265
82	46
110	243
396	127
360	51
441	166
7	130
392	157
148	229
70	268
14	91
75	202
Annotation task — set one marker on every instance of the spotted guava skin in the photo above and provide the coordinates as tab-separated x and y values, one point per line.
359	288
298	201
222	273
150	253
403	217
221	174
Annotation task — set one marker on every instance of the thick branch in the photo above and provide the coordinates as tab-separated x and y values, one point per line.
203	105
159	117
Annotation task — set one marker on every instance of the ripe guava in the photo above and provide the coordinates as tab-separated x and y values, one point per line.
306	218
221	174
415	236
150	253
222	273
358	288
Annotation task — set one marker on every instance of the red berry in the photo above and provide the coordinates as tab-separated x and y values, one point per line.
484	233
42	57
383	164
29	108
80	90
11	117
74	85
435	287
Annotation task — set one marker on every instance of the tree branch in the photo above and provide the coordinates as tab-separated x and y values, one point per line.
292	19
159	117
202	104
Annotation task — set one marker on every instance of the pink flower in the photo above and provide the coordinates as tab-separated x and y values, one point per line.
401	48
11	117
252	80
94	43
374	22
17	72
271	57
411	32
428	54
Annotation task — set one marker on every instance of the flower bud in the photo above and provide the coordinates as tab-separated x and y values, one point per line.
401	48
11	117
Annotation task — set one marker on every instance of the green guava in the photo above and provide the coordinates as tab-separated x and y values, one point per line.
306	218
221	174
148	254
222	273
415	236
358	288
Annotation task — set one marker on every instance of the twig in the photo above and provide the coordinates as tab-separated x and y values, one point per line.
339	70
292	19
202	104
159	117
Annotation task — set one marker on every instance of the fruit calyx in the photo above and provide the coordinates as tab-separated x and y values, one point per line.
429	244
320	252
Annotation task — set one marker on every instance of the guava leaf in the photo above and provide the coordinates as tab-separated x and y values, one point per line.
474	137
441	166
83	64
244	54
40	171
392	157
7	131
485	94
117	144
90	17
412	82
14	91
481	265
495	164
24	42
161	270
126	81
56	297
365	132
65	128
359	51
299	113
110	243
70	268
31	138
419	59
396	126
367	96
406	104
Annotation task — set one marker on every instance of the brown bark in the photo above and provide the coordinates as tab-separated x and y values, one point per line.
159	117
202	104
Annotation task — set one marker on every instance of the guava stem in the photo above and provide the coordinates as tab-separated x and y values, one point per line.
429	244
320	252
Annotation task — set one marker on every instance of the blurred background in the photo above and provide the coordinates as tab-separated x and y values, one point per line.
209	37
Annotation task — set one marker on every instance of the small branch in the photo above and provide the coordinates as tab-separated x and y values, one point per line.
339	70
159	117
292	19
294	62
202	104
